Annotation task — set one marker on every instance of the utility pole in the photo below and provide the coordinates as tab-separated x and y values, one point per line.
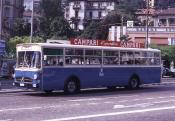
31	32
1	17
147	28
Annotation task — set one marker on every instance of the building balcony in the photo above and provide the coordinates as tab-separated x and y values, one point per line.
76	6
88	7
75	19
93	18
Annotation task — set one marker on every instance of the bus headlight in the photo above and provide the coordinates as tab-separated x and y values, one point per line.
35	76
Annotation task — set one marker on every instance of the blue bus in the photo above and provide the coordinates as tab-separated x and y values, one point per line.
48	67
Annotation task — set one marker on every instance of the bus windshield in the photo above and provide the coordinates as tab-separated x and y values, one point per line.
29	59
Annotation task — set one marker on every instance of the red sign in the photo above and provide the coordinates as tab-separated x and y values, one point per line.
91	42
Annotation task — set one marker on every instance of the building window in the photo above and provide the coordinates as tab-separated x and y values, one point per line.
7	12
99	14
77	2
76	14
90	15
99	4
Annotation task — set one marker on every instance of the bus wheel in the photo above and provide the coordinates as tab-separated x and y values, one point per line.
71	86
134	83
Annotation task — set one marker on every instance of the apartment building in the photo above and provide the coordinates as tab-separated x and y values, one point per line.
161	3
10	10
81	12
28	10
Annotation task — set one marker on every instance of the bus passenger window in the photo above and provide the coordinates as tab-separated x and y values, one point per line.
60	61
116	60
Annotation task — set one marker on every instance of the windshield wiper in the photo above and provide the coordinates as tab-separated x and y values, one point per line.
25	63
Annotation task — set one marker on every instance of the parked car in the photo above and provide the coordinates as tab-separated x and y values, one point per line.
167	72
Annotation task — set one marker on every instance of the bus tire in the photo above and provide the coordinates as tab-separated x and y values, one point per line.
134	83
72	86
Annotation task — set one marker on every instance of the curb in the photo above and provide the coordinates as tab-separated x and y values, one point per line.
13	90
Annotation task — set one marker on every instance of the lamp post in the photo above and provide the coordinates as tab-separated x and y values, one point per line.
1	16
147	28
31	32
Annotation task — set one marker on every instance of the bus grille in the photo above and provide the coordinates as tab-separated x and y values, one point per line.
23	79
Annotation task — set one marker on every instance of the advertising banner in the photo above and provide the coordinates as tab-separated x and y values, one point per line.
92	42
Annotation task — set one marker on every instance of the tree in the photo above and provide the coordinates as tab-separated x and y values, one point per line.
21	28
60	28
99	30
125	38
90	31
164	4
11	45
52	22
129	7
167	53
123	11
110	20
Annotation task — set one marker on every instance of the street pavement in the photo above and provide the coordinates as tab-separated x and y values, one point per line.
154	102
6	85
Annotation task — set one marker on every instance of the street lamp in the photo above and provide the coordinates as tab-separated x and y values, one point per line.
147	28
31	32
1	7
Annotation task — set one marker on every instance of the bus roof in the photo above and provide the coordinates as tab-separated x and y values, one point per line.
55	45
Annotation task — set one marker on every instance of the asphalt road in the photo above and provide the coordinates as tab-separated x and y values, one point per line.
150	103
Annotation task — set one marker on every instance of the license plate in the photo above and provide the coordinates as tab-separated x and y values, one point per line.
34	85
22	84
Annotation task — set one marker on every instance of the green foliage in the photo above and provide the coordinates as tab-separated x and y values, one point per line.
129	7
60	28
165	4
168	52
11	45
99	30
111	19
124	11
21	28
125	38
90	31
52	22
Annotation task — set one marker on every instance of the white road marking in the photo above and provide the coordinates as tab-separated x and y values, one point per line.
76	104
93	103
97	99
19	109
142	104
136	99
112	114
131	106
161	97
108	102
119	106
150	98
122	101
6	120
